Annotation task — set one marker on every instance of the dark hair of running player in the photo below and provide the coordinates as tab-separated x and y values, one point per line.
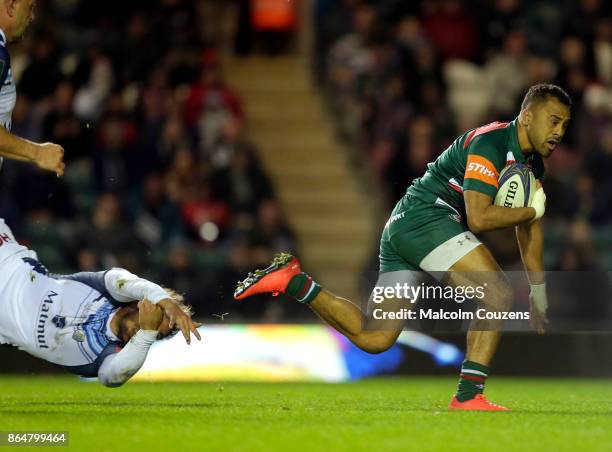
544	91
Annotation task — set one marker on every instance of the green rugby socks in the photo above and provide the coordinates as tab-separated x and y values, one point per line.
303	288
472	380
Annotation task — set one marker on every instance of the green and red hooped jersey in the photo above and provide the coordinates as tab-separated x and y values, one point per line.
473	162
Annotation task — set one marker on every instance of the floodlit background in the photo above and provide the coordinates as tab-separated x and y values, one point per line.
204	136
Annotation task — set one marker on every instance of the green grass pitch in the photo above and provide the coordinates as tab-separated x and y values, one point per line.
378	414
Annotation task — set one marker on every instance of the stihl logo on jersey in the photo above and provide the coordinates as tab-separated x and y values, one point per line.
482	169
478	168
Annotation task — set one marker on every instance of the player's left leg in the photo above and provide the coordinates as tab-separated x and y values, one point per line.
352	322
284	275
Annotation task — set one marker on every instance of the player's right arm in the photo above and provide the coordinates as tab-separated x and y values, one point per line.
485	159
47	156
483	215
125	287
118	368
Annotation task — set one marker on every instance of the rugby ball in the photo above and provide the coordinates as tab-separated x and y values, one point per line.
517	185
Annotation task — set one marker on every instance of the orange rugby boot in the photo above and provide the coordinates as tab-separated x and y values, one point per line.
478	403
273	279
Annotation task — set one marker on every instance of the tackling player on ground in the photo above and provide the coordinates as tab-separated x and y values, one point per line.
91	324
432	228
15	16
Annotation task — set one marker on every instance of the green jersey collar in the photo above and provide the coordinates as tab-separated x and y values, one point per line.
515	148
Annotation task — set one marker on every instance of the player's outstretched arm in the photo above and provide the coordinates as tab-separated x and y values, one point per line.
126	287
483	215
47	156
531	244
118	368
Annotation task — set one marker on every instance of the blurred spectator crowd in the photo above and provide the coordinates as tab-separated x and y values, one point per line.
405	78
159	179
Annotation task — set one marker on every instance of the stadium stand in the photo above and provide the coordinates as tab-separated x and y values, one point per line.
161	179
405	78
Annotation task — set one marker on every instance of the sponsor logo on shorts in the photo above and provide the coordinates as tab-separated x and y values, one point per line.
462	240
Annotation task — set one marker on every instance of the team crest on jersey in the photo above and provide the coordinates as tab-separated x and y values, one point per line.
78	336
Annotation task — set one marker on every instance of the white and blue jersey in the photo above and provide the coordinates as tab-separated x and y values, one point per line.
63	319
8	90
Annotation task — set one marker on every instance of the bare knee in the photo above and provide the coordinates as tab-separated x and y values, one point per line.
375	342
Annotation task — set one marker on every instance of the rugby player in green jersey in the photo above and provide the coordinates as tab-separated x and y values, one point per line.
432	229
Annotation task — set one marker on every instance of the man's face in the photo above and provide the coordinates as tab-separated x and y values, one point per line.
23	15
164	328
546	125
129	325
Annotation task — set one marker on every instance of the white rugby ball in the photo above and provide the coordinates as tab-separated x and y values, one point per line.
517	185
